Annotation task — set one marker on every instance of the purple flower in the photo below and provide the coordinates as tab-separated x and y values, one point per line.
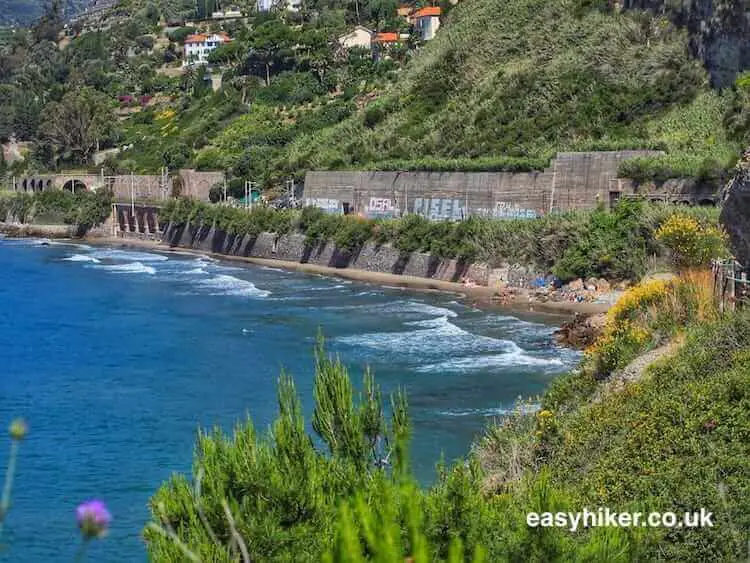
93	519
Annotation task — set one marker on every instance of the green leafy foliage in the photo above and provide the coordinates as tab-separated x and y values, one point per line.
85	209
674	438
278	497
602	243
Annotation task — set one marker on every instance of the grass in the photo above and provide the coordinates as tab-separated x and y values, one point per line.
526	79
673	440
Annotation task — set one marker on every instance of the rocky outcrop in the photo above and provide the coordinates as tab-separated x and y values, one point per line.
718	31
581	331
735	212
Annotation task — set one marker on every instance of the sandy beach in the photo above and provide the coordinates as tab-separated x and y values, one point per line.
519	300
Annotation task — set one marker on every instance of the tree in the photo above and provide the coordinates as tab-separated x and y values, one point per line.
50	24
315	52
270	46
229	53
77	123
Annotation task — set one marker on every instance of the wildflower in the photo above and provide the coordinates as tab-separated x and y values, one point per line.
18	429
93	519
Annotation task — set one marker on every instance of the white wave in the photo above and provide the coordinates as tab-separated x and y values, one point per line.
433	337
471	363
400	307
81	258
497	411
129	268
128	256
327	288
197	271
229	285
68	243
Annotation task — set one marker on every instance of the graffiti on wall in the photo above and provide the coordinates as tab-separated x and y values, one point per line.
437	209
328	205
508	210
381	207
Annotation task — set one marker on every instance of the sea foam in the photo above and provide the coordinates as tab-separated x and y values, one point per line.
127	256
81	258
229	285
129	268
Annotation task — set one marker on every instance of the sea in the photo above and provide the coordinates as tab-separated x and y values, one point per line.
116	357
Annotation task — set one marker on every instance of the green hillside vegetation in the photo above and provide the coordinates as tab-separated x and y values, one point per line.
503	86
528	78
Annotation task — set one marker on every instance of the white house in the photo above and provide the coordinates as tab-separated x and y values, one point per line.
426	21
268	5
360	36
199	45
228	14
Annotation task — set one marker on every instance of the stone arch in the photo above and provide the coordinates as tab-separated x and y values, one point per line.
24	184
74	185
707	202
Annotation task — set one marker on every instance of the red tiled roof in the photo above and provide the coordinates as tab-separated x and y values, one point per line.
195	38
429	11
386	37
203	37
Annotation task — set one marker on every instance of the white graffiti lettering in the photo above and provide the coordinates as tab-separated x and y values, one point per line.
437	209
327	205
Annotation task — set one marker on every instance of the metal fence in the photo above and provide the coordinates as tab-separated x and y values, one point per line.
731	284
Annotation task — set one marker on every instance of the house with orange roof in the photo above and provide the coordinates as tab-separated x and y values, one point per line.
426	21
198	46
383	42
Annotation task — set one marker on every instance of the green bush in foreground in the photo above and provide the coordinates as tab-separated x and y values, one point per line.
347	494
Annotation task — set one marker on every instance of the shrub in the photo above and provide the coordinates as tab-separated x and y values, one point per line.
613	245
691	244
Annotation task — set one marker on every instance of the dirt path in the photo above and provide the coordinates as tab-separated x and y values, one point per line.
634	371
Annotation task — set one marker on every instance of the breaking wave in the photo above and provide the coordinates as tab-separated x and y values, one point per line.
127	256
130	268
229	285
81	258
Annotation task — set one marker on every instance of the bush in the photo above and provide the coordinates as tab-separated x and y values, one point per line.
690	243
612	246
347	494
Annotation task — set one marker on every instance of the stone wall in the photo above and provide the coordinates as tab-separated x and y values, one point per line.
142	186
573	181
371	257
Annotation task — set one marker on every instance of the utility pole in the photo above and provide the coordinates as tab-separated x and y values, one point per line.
225	189
247	193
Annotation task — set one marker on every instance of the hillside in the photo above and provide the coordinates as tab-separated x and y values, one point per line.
25	12
504	85
528	78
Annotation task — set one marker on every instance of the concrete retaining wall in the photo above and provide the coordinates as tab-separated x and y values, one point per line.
371	257
573	181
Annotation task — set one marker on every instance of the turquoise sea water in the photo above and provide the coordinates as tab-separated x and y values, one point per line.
115	357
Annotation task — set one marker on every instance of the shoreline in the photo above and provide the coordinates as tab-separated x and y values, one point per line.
520	300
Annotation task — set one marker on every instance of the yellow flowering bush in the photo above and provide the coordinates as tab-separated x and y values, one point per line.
627	331
166	118
691	244
636	299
